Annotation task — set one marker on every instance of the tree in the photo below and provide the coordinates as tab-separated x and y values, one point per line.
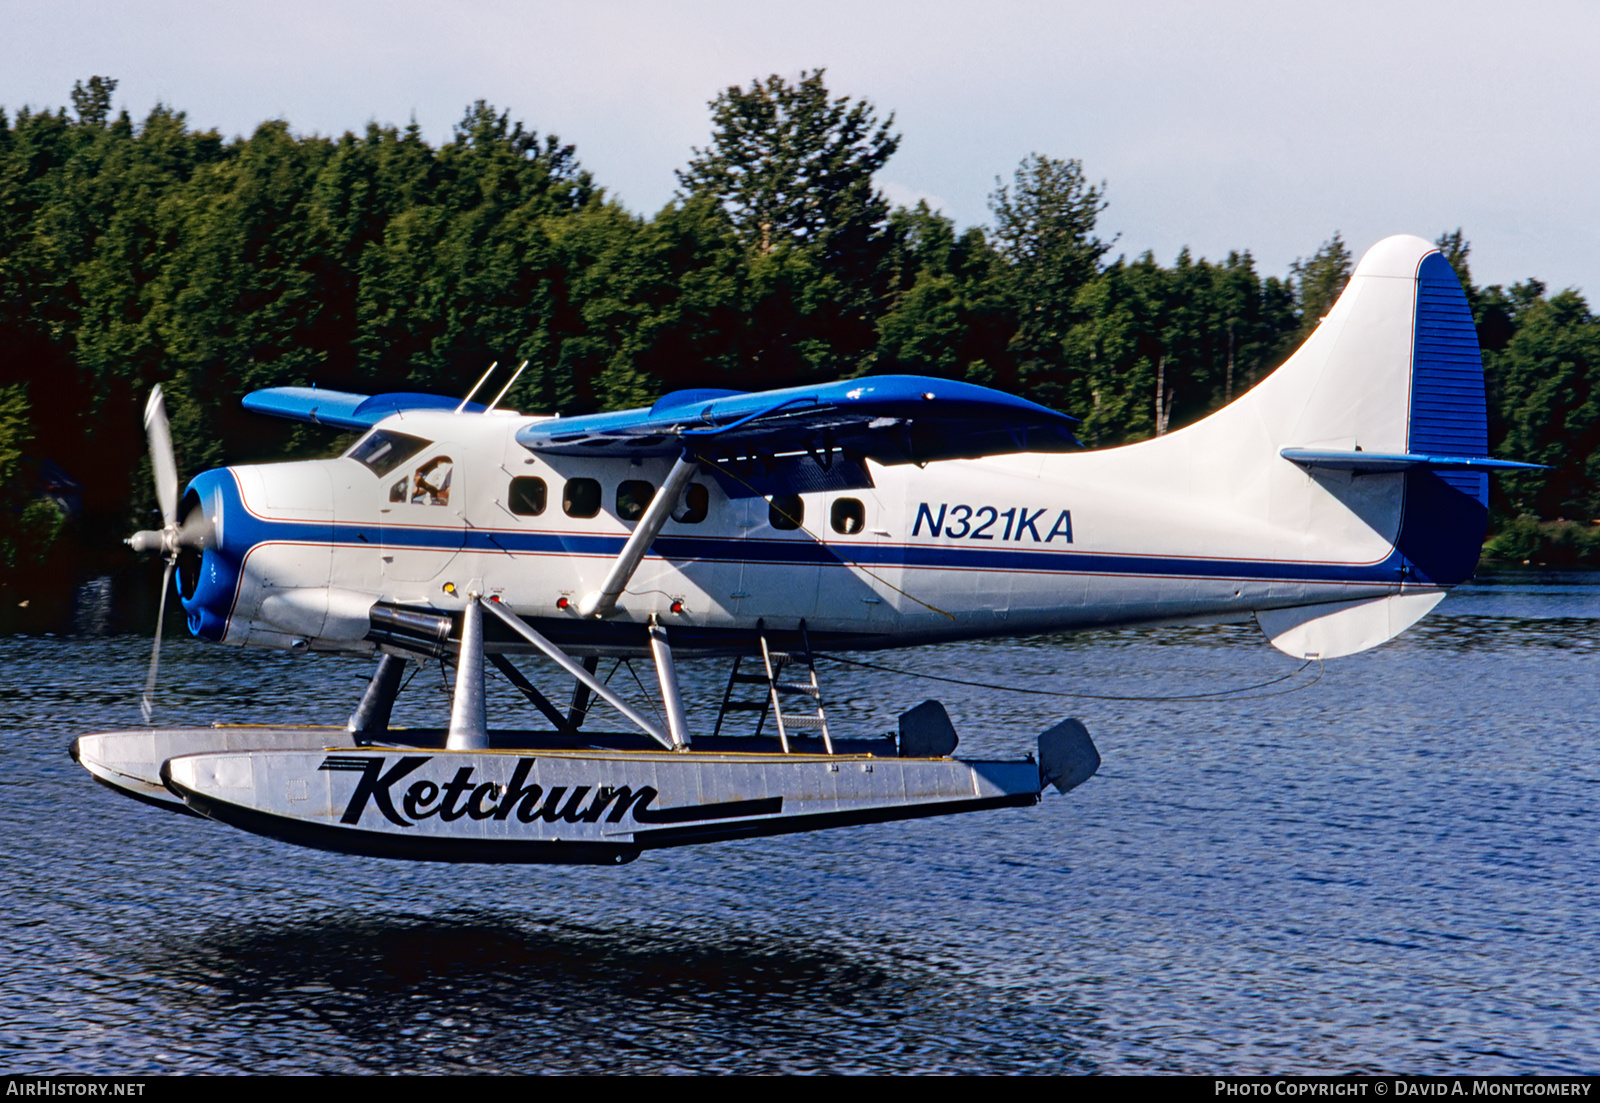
1044	227
29	525
1547	387
791	166
792	171
1456	249
1318	282
1044	232
947	315
1157	348
463	268
93	102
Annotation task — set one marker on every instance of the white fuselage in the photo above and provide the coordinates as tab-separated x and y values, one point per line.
1012	544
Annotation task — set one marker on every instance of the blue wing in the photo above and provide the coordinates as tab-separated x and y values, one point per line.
815	437
887	418
802	438
342	409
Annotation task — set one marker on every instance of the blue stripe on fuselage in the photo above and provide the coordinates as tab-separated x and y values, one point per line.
691	549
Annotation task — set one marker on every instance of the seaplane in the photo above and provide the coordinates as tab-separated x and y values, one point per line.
1335	504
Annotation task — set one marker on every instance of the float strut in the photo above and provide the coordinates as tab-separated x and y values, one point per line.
677	725
565	662
578	710
469	726
371	718
531	692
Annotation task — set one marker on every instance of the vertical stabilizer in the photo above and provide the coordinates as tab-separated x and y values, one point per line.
1351	474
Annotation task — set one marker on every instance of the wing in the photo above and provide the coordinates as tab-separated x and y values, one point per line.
773	442
342	409
815	437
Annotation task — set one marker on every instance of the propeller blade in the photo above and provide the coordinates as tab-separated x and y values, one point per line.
146	706
196	530
162	463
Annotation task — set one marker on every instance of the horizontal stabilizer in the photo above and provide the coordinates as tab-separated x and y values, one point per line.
1342	628
1377	462
343	410
891	419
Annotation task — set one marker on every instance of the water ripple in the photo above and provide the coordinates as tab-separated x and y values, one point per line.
1390	869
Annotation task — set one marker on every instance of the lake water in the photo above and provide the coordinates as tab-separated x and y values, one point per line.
1391	868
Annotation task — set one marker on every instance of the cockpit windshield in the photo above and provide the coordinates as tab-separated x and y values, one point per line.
383	450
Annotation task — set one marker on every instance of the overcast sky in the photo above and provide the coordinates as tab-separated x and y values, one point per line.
1229	126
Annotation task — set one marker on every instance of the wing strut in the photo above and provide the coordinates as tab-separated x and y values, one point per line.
565	662
602	601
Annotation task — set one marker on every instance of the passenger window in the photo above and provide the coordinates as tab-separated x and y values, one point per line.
695	505
581	498
633	498
786	511
527	496
849	516
430	486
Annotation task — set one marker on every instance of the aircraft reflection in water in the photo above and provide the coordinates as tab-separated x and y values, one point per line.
1335	503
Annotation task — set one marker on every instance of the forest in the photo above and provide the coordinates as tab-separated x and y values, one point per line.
135	253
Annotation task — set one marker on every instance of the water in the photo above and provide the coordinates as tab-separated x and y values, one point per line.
1391	869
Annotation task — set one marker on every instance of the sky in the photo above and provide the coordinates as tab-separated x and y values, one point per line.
1228	126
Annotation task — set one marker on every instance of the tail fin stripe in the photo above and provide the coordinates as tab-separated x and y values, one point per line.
1448	411
1447	397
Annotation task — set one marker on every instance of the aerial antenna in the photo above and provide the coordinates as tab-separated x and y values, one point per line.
476	385
506	388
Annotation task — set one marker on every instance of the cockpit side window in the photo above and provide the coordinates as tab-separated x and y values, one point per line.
383	450
430	485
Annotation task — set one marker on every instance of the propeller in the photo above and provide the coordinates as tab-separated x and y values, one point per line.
191	533
159	432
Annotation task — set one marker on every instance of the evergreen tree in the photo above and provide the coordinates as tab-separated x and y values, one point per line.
1044	223
792	170
948	315
791	166
1318	282
93	101
1546	383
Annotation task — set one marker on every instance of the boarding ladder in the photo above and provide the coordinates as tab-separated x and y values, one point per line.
774	664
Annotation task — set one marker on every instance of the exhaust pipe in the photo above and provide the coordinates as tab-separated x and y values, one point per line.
411	629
